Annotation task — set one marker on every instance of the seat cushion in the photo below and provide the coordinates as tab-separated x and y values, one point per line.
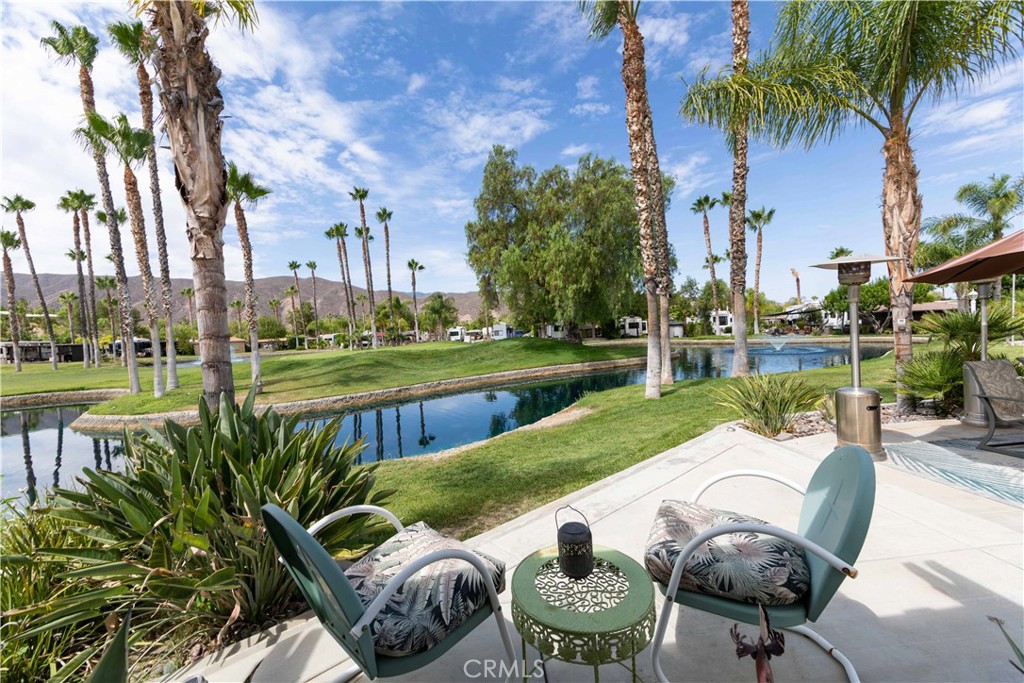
747	567
433	602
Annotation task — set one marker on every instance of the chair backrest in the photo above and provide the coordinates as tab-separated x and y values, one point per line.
322	583
836	514
998	378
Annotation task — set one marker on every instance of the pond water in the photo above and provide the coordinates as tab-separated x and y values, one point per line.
40	451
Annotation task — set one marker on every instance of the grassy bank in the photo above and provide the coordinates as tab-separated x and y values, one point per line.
298	376
478	489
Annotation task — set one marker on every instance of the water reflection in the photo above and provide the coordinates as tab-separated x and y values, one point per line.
48	445
440	423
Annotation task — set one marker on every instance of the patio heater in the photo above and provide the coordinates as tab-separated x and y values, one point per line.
974	411
858	409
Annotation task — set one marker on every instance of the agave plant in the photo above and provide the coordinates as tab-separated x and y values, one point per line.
177	537
769	404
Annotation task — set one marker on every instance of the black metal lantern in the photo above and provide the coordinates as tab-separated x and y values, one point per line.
575	546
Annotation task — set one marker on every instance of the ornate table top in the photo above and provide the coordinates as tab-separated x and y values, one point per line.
606	617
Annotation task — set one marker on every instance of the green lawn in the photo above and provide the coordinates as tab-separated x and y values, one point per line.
479	489
316	374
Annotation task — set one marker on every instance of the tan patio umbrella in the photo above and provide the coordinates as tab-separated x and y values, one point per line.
1002	257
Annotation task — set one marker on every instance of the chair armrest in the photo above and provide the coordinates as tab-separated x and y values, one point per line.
752	527
1001	398
355	510
762	474
374	608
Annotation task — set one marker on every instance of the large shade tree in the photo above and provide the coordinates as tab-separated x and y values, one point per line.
130	145
192	104
19	205
244	192
136	44
604	16
838	63
77	45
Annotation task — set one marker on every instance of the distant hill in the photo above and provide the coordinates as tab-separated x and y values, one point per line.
329	293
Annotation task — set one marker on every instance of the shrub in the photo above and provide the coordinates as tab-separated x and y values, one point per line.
937	375
179	534
769	404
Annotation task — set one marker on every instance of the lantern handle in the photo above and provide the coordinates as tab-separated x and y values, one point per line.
574	510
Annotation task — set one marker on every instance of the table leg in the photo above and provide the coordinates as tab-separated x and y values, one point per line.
597	677
635	679
523	640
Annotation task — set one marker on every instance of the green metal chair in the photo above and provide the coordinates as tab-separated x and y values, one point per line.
337	605
834	521
1002	395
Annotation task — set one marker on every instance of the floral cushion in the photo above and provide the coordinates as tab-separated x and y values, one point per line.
433	602
747	567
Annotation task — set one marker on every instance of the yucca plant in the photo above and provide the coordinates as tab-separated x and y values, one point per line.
178	534
769	404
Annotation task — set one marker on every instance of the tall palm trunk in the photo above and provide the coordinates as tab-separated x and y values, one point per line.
83	313
90	289
901	216
71	321
346	309
415	309
146	100
711	263
117	254
110	313
738	207
23	236
250	298
192	104
661	231
12	312
349	299
757	281
134	199
192	319
634	79
387	269
295	320
316	313
297	315
369	275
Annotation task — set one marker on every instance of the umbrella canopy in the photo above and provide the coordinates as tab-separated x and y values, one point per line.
1002	257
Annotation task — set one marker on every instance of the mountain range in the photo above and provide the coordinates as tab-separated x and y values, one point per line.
329	293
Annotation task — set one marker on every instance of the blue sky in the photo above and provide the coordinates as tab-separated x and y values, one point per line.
407	99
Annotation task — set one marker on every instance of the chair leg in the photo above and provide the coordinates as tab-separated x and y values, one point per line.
659	637
506	640
349	674
991	415
851	673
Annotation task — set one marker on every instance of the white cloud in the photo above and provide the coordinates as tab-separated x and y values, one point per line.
586	88
574	151
454	208
519	86
665	39
691	173
592	109
955	116
416	81
557	36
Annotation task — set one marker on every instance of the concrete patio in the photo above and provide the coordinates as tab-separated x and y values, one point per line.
938	560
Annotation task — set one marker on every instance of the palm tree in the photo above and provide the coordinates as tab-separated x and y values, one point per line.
442	310
338	232
192	104
837	63
78	45
107	284
237	304
294	267
383	216
9	242
757	220
70	203
242	189
702	205
359	194
119	218
291	291
603	16
189	295
68	299
839	252
137	45
414	267
275	306
18	205
796	276
131	146
362	299
316	315
86	203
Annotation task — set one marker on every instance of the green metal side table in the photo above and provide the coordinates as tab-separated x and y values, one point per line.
606	618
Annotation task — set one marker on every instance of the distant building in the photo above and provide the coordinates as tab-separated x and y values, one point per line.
632	326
